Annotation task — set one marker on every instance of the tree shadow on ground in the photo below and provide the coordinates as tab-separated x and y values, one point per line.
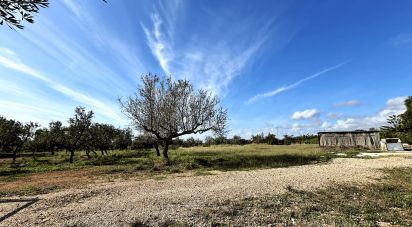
29	202
227	163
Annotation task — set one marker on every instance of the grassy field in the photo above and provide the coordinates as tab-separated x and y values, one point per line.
222	157
144	163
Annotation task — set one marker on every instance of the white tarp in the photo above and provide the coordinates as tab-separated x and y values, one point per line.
394	147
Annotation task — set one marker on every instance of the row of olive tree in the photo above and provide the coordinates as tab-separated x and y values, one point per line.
162	110
142	141
261	138
80	134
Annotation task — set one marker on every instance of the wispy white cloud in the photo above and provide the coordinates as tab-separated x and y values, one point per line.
306	114
97	105
297	127
348	103
73	7
396	103
26	112
106	40
10	60
394	106
334	115
158	44
326	125
212	64
84	59
294	85
402	39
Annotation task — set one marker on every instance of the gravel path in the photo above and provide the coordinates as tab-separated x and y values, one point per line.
178	198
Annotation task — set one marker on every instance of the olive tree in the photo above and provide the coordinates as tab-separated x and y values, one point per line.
103	136
13	13
169	108
122	138
56	136
41	141
78	126
9	135
146	140
14	134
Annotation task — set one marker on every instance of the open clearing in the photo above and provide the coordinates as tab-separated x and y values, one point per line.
180	198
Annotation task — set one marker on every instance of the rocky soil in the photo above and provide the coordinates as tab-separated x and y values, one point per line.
182	198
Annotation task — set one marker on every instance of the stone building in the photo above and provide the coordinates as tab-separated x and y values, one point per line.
348	139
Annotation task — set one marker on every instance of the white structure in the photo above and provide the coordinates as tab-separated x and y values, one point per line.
391	144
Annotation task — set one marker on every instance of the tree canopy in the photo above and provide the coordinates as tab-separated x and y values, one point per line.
78	126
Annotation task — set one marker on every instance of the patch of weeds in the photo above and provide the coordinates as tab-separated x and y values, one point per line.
202	172
159	177
190	165
345	152
31	190
174	170
8	178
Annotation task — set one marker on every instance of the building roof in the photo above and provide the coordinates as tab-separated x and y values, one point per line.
347	132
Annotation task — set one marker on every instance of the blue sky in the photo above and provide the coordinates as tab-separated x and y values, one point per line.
278	66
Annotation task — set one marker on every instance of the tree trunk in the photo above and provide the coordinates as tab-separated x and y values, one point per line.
14	156
15	153
156	146
88	154
165	150
71	156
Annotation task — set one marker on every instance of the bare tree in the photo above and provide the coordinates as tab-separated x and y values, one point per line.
169	109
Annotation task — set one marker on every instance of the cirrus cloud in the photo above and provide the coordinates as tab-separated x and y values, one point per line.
353	102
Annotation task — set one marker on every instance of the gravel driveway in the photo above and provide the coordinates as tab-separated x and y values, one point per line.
178	198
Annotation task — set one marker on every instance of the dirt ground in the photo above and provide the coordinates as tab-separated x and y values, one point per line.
181	197
48	179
